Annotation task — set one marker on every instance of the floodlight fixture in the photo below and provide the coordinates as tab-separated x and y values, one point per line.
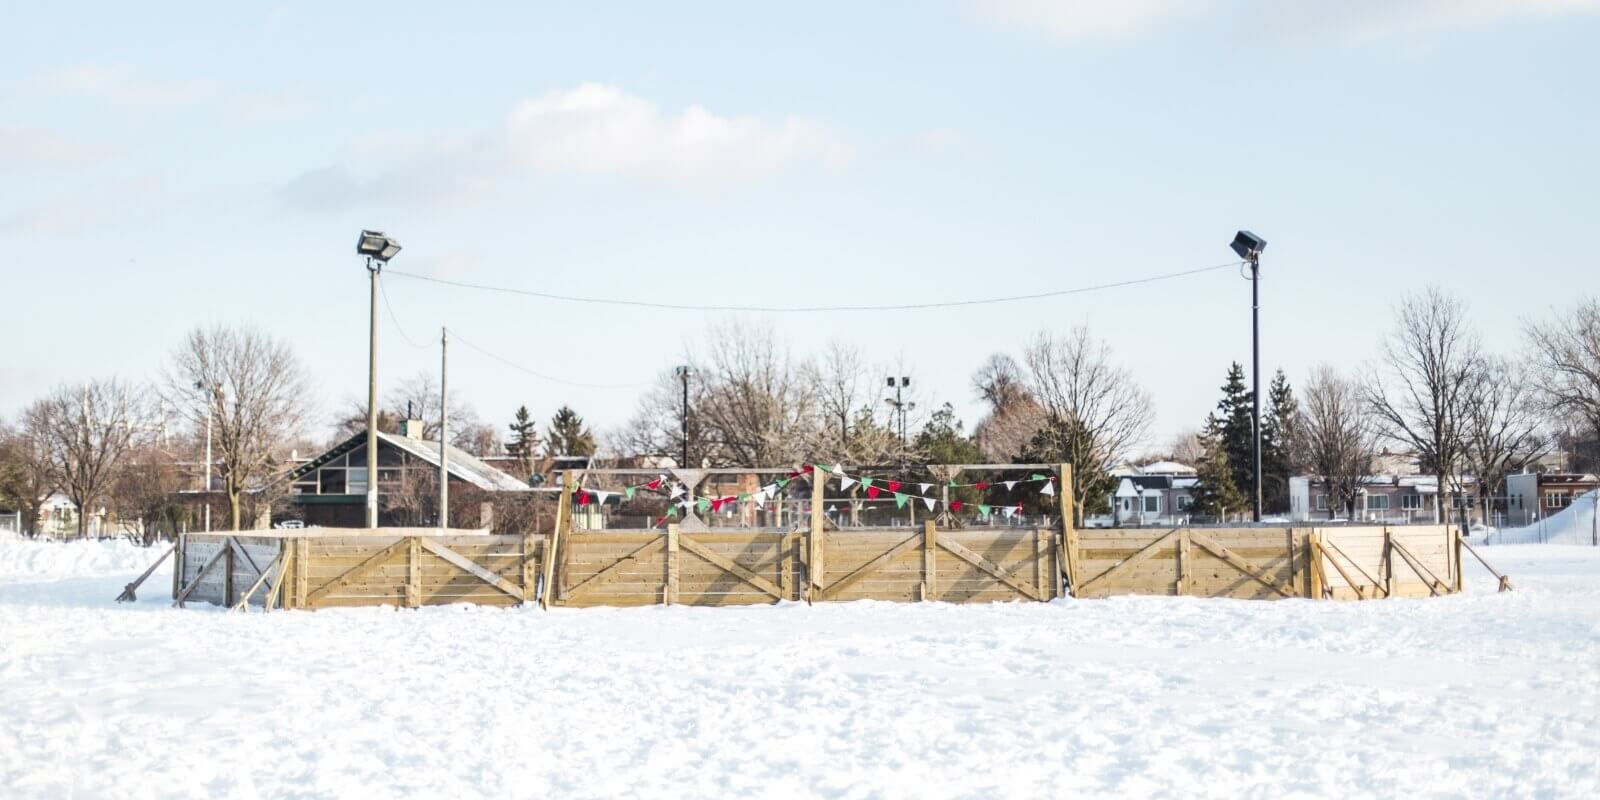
377	246
1248	245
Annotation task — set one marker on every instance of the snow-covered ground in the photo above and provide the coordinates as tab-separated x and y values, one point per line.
1574	524
1473	695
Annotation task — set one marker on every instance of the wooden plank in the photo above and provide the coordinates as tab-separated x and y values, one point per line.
227	572
260	579
1143	553
467	564
128	591
786	566
1185	565
1315	551
730	566
354	573
563	516
1069	533
906	545
1008	578
1334	549
930	560
302	563
178	601
413	571
816	565
617	568
1433	583
670	596
530	563
1236	562
1040	562
277	596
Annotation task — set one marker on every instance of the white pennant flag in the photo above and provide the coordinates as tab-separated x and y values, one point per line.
600	497
845	482
1049	488
930	501
1009	511
838	469
832	509
770	489
677	492
924	487
1010	485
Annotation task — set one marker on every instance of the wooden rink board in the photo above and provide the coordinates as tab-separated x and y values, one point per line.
410	567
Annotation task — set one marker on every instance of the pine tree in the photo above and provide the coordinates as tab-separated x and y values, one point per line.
524	443
568	436
1215	494
1278	445
942	440
1230	427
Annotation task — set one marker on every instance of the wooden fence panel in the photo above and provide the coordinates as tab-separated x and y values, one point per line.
961	566
631	568
1372	567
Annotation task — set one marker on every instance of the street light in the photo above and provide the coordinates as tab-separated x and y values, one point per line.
1249	247
211	413
378	248
901	407
683	375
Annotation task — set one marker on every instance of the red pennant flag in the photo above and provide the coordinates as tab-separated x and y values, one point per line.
872	492
716	505
955	505
894	486
583	497
653	485
660	520
807	470
792	475
981	485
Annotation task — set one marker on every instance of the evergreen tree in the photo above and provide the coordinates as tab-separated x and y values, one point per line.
1216	494
568	436
1278	443
1230	428
1055	443
524	443
942	440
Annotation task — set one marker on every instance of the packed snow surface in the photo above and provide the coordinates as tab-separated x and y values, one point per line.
1482	694
1571	525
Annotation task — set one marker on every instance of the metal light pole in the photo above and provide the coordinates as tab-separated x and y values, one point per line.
1249	247
378	249
444	428
683	375
211	413
900	407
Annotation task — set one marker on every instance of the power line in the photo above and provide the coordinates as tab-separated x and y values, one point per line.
811	309
395	318
457	337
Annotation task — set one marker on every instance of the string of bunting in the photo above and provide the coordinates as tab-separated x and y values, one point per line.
874	487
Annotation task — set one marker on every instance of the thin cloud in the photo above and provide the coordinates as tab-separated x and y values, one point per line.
33	147
118	84
1071	20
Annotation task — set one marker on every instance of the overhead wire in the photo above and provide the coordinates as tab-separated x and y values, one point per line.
457	337
395	318
810	309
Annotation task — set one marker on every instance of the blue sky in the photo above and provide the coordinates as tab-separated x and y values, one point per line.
164	165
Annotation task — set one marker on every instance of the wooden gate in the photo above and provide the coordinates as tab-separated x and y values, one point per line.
672	567
1252	563
961	566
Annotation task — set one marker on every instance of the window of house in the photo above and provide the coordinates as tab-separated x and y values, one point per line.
356	482
332	480
1411	502
1127	504
1322	502
1556	500
1377	502
1185	502
1152	504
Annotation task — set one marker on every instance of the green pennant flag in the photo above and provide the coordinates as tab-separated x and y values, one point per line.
983	510
672	511
819	466
899	500
743	496
702	505
782	482
952	483
628	492
1036	477
866	483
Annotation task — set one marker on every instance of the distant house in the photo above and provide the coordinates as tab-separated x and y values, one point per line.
330	489
1535	495
1380	498
1160	493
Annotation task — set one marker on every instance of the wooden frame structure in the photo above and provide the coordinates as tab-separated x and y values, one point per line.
810	561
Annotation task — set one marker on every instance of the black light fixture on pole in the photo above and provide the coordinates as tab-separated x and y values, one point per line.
683	375
900	407
1249	247
378	249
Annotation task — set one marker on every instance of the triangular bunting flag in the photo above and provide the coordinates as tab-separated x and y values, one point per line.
923	487
782	482
894	486
600	497
1009	511
867	482
653	485
845	482
983	510
672	511
899	500
955	505
1036	477
702	504
716	505
838	469
872	491
627	494
981	485
930	501
1010	485
1049	488
832	509
583	497
677	492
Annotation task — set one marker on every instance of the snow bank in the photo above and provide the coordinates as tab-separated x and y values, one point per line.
1571	525
1481	694
27	560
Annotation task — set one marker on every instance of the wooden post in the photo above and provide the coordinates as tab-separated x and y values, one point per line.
1041	569
1388	564
816	568
303	552
227	574
1069	532
1314	555
413	572
786	566
930	561
553	545
530	573
179	564
1185	568
1456	553
670	596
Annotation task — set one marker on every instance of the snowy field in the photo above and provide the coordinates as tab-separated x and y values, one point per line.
1475	695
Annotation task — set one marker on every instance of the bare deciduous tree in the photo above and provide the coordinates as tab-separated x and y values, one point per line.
1338	435
26	475
753	401
1421	397
1013	417
1100	412
1187	447
254	391
838	379
87	429
1500	427
1566	352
